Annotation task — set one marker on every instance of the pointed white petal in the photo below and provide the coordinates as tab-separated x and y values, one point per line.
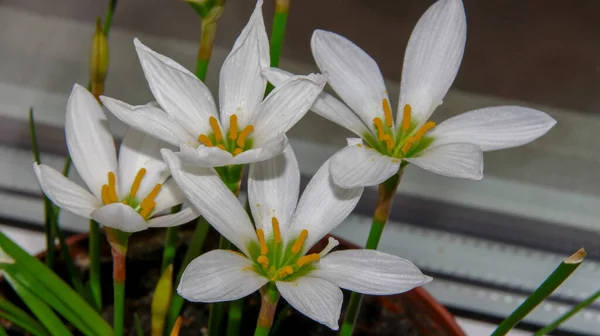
267	150
461	160
205	190
149	119
183	96
370	272
90	144
140	150
432	58
322	206
273	188
326	105
241	84
64	193
205	156
359	166
217	276
494	128
314	297
170	195
184	216
121	217
352	73
285	106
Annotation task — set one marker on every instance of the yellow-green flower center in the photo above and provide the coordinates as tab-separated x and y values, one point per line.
234	141
145	207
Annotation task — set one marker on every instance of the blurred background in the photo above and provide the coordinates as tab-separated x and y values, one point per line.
488	243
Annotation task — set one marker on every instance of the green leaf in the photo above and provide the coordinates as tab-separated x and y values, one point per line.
40	309
20	318
139	331
55	292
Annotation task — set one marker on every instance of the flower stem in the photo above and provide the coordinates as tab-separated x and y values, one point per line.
109	16
268	304
118	241
387	193
277	34
207	40
94	253
560	274
546	330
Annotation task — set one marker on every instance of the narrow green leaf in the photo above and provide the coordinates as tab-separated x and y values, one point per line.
3	331
566	316
139	331
94	252
20	318
44	314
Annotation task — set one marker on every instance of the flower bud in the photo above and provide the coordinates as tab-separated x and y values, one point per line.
98	60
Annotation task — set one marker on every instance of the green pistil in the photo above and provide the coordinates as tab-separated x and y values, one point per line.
400	138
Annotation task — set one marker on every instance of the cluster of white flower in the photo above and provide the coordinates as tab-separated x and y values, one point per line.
132	193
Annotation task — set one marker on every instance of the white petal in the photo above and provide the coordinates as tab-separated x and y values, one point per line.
205	156
150	119
326	105
218	276
64	193
170	195
140	150
273	188
184	216
461	160
359	166
432	58
352	73
370	272
241	84
121	217
205	190
90	144
267	150
322	206
183	96
494	128
285	106
316	298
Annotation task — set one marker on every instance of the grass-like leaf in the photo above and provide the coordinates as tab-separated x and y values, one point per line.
21	318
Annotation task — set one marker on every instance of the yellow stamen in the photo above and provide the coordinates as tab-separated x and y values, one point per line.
243	134
237	151
148	203
276	230
406	117
136	182
263	261
300	241
421	132
233	127
287	270
261	240
389	142
308	259
205	140
379	126
407	145
387	111
176	327
221	146
147	209
112	188
216	129
105	195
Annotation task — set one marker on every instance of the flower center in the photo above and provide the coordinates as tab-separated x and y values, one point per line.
406	141
278	262
235	142
145	207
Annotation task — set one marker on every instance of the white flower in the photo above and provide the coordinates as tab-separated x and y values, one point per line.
247	129
286	229
433	55
127	195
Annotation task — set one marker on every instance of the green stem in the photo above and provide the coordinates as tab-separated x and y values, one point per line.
387	193
236	309
171	238
560	274
118	241
278	30
207	40
109	16
546	330
119	306
94	253
269	296
283	314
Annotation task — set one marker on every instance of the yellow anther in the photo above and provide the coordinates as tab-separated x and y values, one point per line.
379	126
287	270
263	261
112	187
233	127
221	146
407	145
148	203
261	240
308	259
406	117
300	241
136	182
243	135
147	209
237	151
424	129
214	124
125	202
105	195
389	142
387	112
276	230
205	140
